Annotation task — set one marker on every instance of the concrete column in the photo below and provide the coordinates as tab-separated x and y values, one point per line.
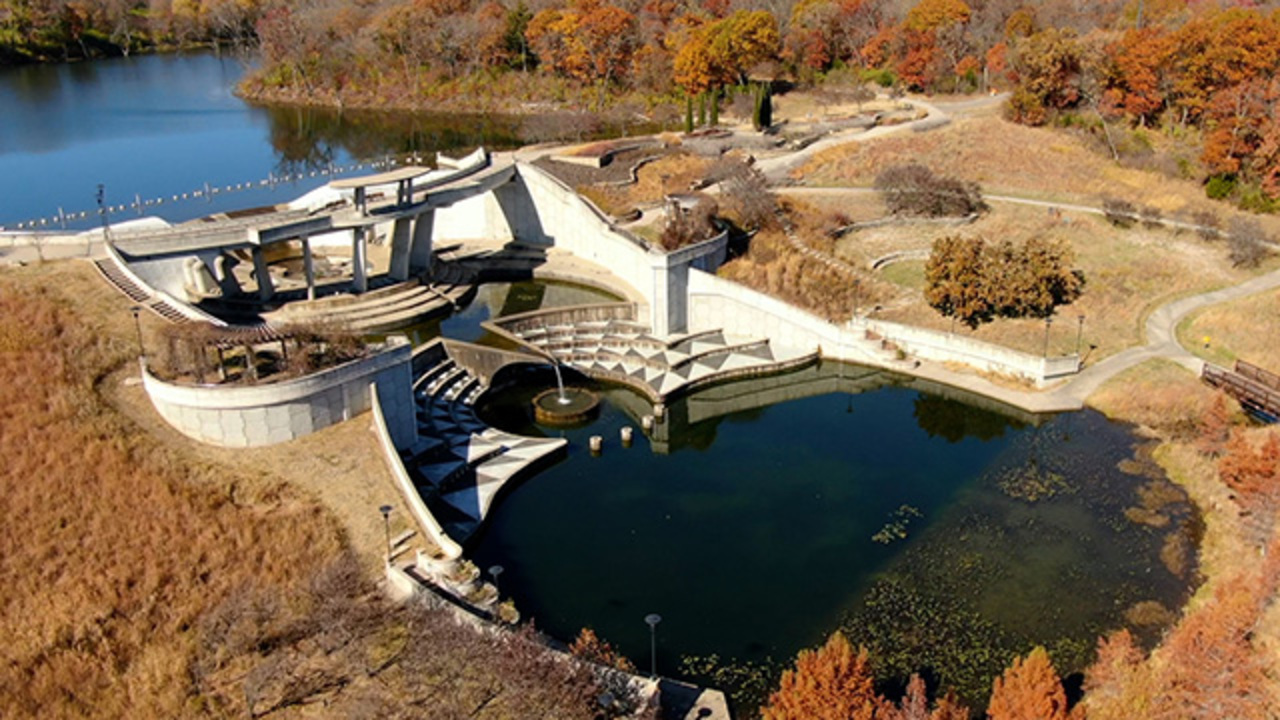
308	267
359	246
420	250
262	275
401	247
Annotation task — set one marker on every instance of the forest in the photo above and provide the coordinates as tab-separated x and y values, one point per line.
1132	73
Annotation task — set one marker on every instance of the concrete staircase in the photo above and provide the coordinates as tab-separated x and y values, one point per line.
460	463
613	346
385	308
118	279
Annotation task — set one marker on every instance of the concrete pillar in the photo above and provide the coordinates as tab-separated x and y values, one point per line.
308	267
420	250
262	275
226	278
359	251
401	247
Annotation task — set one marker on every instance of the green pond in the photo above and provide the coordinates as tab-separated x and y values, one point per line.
763	515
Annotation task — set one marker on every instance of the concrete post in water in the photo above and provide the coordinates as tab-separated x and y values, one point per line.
596	443
625	433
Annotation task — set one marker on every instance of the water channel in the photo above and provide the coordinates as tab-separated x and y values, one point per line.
762	515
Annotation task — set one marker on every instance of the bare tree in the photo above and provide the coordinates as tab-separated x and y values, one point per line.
1247	243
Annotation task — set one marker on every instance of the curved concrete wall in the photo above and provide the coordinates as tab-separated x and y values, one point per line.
255	415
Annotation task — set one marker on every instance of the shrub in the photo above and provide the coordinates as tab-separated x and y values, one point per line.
1208	226
1220	187
915	190
1120	213
1246	242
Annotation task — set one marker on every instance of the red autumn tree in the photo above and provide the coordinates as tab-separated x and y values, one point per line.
1135	80
1215	427
1030	689
1254	477
1212	670
830	683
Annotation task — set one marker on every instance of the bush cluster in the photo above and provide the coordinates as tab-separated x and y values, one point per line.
916	190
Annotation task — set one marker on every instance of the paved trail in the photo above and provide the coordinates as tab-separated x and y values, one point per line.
1160	330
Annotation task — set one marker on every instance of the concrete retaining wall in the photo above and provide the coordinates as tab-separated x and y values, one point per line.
948	347
408	491
256	415
476	218
716	302
556	215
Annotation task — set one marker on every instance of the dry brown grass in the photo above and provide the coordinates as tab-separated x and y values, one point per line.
1159	395
670	174
1128	274
1006	158
1247	329
112	544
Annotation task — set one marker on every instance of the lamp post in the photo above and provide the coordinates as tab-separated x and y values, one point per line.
136	310
495	571
1047	322
1079	332
102	213
386	526
652	620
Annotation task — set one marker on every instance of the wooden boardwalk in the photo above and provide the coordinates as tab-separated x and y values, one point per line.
1258	390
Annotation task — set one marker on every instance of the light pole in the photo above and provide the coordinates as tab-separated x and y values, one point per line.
495	571
652	619
1047	322
137	326
386	526
1079	332
102	212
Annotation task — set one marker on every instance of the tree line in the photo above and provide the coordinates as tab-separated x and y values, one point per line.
1204	68
61	30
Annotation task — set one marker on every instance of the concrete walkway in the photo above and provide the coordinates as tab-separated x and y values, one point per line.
777	169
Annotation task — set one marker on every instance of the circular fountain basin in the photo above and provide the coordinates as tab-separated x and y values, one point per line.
575	405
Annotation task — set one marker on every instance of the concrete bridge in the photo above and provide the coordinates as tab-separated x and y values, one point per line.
410	212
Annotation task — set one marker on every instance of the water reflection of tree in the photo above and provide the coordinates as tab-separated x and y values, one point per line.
954	421
310	138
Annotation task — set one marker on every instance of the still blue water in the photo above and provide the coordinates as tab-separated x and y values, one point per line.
152	126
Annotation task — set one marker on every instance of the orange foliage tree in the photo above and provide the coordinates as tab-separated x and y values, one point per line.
1133	75
934	14
830	683
591	41
834	683
723	51
1030	689
1111	683
1254	477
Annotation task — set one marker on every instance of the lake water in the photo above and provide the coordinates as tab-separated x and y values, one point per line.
155	126
929	529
